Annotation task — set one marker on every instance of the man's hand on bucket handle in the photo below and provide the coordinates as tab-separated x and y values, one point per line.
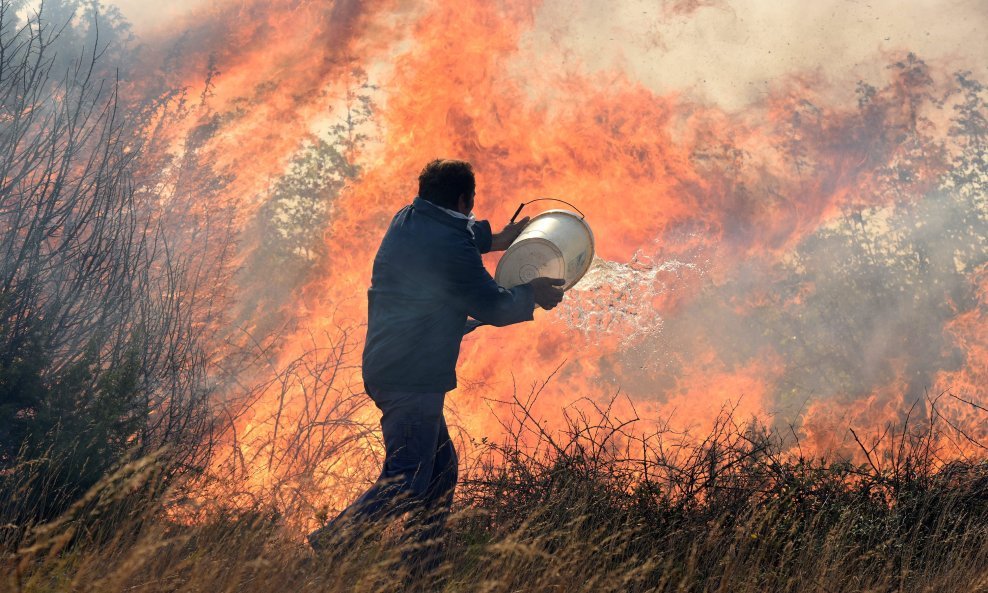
501	241
547	293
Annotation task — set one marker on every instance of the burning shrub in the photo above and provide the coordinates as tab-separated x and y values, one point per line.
98	356
673	508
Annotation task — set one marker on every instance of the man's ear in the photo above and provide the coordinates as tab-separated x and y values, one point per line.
463	204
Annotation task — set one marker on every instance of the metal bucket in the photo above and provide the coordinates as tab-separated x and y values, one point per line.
555	244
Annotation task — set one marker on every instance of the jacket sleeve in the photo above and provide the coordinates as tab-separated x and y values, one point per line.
483	236
472	289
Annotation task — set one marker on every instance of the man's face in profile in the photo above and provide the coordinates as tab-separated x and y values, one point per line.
466	203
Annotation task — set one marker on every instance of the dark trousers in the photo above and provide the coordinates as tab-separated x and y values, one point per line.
419	474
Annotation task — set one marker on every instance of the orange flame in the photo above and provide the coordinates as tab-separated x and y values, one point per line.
684	199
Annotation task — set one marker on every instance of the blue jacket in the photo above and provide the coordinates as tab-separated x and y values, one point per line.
428	277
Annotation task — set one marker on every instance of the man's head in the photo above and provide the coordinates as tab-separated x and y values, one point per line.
448	183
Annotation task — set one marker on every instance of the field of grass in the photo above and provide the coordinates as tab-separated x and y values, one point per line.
573	512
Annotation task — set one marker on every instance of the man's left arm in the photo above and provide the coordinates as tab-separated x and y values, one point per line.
487	240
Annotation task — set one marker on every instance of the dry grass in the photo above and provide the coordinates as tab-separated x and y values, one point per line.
569	512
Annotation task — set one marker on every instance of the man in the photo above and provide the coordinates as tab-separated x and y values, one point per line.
428	278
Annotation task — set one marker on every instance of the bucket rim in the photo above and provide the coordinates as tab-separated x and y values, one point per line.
586	226
539	240
582	219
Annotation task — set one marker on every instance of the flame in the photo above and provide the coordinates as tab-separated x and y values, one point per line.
256	76
697	211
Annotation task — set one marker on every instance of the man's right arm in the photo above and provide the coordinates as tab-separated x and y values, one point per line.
471	287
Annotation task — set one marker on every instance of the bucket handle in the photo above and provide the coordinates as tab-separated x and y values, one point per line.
523	204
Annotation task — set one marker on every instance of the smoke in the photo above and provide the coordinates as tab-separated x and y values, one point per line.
149	17
733	53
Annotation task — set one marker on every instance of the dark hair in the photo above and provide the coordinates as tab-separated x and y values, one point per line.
443	181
